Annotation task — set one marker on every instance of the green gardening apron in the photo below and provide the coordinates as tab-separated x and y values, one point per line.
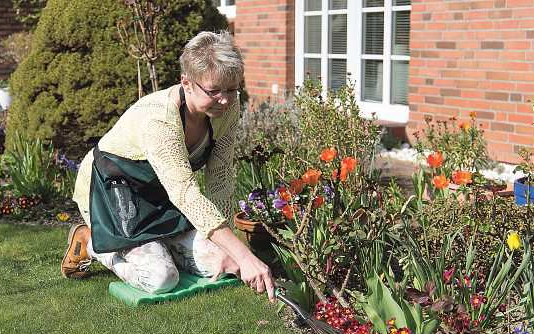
128	206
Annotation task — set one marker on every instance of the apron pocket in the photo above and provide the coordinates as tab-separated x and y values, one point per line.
124	206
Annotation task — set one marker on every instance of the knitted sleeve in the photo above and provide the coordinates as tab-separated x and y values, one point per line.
220	174
164	146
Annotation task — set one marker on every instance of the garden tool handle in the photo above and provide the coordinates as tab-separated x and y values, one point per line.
279	293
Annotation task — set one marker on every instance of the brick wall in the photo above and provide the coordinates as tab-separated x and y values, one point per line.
265	32
469	55
8	25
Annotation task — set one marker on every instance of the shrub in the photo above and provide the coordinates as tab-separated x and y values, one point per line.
333	120
462	144
269	125
78	78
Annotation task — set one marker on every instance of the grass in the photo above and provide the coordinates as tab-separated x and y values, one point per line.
34	298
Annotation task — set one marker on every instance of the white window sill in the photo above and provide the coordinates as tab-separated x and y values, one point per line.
393	113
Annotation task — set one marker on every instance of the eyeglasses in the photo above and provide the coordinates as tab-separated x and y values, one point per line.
217	93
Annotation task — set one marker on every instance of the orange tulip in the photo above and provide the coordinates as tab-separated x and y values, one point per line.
328	154
349	163
335	174
284	195
296	186
311	177
465	126
318	202
473	114
440	181
435	160
288	212
462	177
344	173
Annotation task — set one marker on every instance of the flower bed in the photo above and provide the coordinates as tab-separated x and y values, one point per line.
454	257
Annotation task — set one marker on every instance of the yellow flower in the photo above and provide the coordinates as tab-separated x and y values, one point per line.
513	241
63	216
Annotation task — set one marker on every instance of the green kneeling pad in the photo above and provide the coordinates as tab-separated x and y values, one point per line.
188	285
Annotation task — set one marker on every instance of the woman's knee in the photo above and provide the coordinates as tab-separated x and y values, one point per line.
161	280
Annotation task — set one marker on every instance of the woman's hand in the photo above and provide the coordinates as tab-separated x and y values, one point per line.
257	275
227	265
253	272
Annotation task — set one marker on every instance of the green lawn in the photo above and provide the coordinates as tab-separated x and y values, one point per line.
34	298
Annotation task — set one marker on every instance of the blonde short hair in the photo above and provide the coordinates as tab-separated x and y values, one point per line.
212	56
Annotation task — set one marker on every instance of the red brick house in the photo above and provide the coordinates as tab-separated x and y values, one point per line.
408	58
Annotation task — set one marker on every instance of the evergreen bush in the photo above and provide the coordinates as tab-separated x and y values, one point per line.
78	78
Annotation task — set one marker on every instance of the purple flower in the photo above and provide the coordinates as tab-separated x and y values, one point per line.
254	195
260	205
271	193
279	203
521	330
329	192
244	207
66	163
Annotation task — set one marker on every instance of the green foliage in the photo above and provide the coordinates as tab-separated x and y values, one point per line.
32	170
527	294
488	220
67	181
463	146
78	79
297	287
381	307
467	267
333	120
268	126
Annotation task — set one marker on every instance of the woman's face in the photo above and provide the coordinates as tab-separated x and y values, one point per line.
206	97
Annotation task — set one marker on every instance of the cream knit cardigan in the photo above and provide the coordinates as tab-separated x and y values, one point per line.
151	129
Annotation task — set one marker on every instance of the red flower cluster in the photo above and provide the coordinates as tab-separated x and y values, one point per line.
340	318
461	322
477	301
23	202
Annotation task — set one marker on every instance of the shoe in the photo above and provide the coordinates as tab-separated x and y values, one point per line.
75	263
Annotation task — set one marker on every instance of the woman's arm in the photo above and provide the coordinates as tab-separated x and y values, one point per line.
220	180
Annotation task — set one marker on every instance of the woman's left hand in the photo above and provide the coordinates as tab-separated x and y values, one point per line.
226	266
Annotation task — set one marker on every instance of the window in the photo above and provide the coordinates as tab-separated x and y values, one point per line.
325	41
226	7
368	38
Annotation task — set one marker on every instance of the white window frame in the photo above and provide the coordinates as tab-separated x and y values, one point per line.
228	11
383	110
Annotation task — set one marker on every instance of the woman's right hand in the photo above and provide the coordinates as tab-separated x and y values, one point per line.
252	270
257	275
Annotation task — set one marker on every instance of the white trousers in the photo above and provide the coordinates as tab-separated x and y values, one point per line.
153	267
